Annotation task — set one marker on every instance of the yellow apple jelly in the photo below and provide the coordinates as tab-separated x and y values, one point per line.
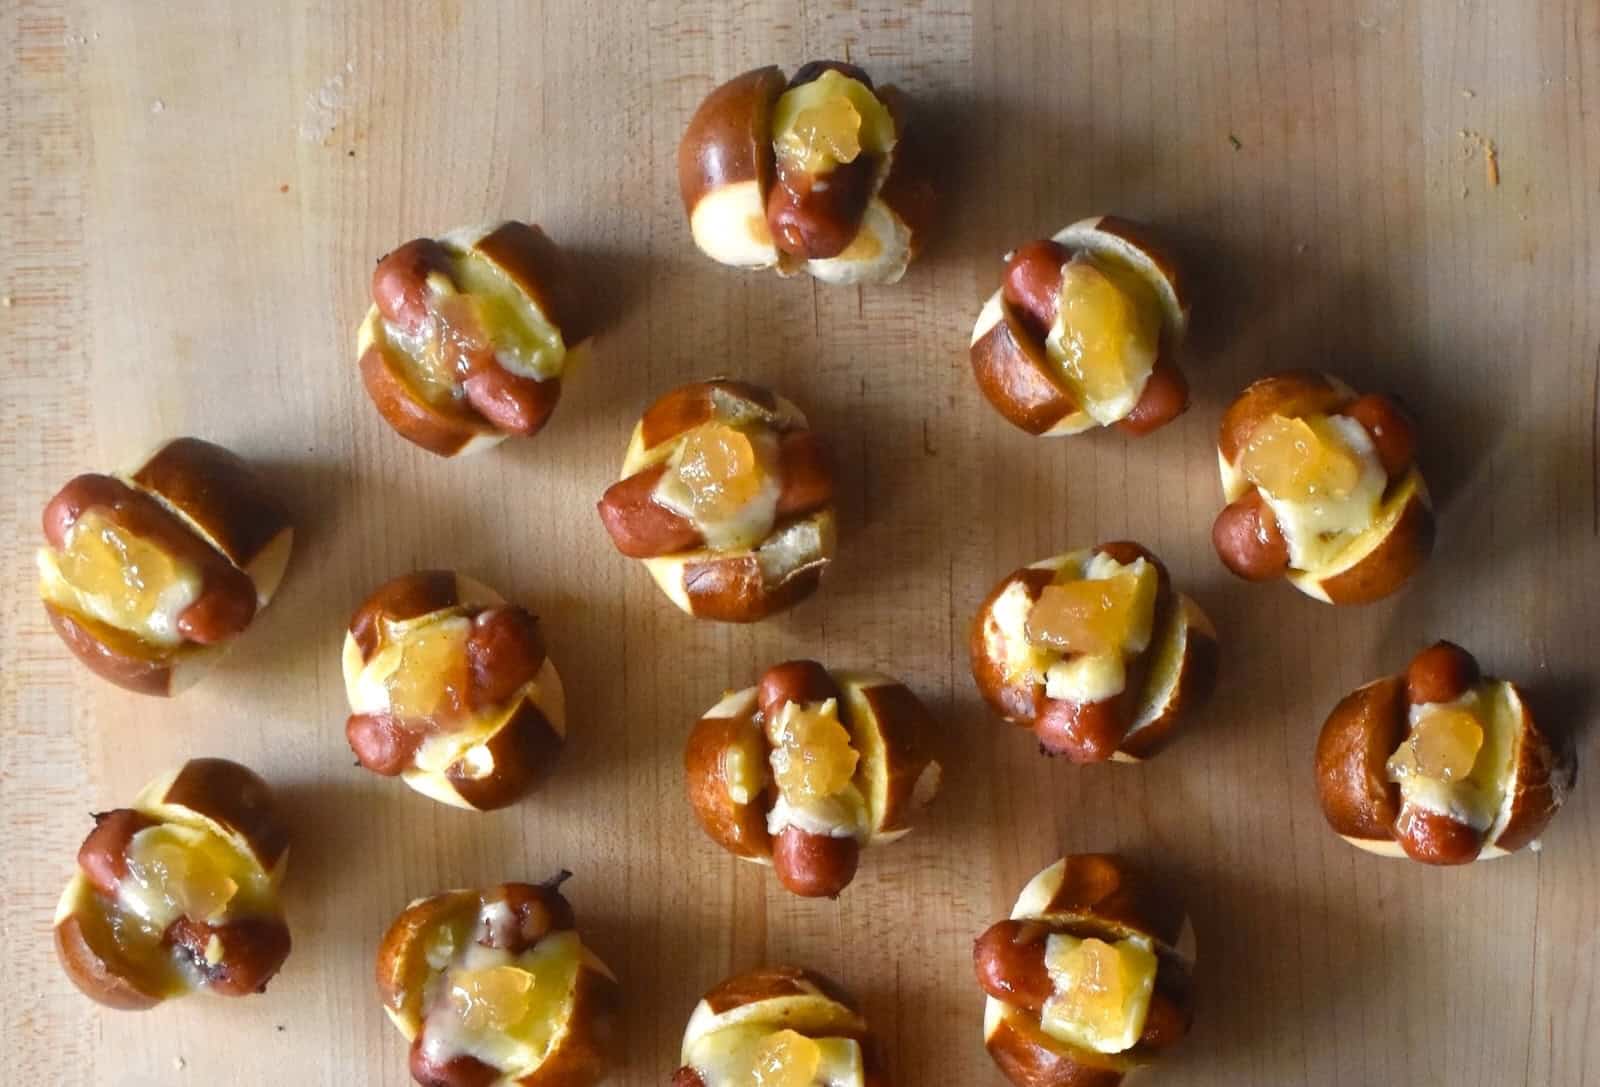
812	757
1096	617
126	576
785	1059
1443	746
1098	995
432	673
1300	460
1109	329
718	467
180	873
496	998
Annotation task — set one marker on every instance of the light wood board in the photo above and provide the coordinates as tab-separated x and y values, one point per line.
193	198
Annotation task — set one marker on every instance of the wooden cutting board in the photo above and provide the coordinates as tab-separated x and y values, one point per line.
195	193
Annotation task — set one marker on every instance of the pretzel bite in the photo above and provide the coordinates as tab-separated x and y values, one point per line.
727	496
1089	978
450	689
820	175
1322	488
1095	652
1084	332
178	892
147	576
779	1025
495	987
469	336
1441	764
807	767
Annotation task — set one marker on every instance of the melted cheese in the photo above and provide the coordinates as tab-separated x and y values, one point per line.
1106	335
1478	799
842	815
829	120
430	671
368	688
106	574
726	1058
744	773
525	342
752	521
1006	637
450	1029
430	363
1136	963
176	871
1088	677
1316	530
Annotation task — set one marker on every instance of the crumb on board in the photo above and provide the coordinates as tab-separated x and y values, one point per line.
1476	143
179	1063
1468	92
1238	144
326	107
157	106
284	187
6	301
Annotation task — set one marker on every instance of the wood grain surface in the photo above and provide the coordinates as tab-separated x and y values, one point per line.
194	195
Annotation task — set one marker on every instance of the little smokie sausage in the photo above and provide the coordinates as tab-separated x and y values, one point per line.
806	477
1082	731
1032	284
103	856
511	402
533	911
1441	673
814	865
1392	433
382	742
459	1071
236	958
817	216
799	681
400	282
1165	397
505	650
1009	961
1248	540
1436	839
641	527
